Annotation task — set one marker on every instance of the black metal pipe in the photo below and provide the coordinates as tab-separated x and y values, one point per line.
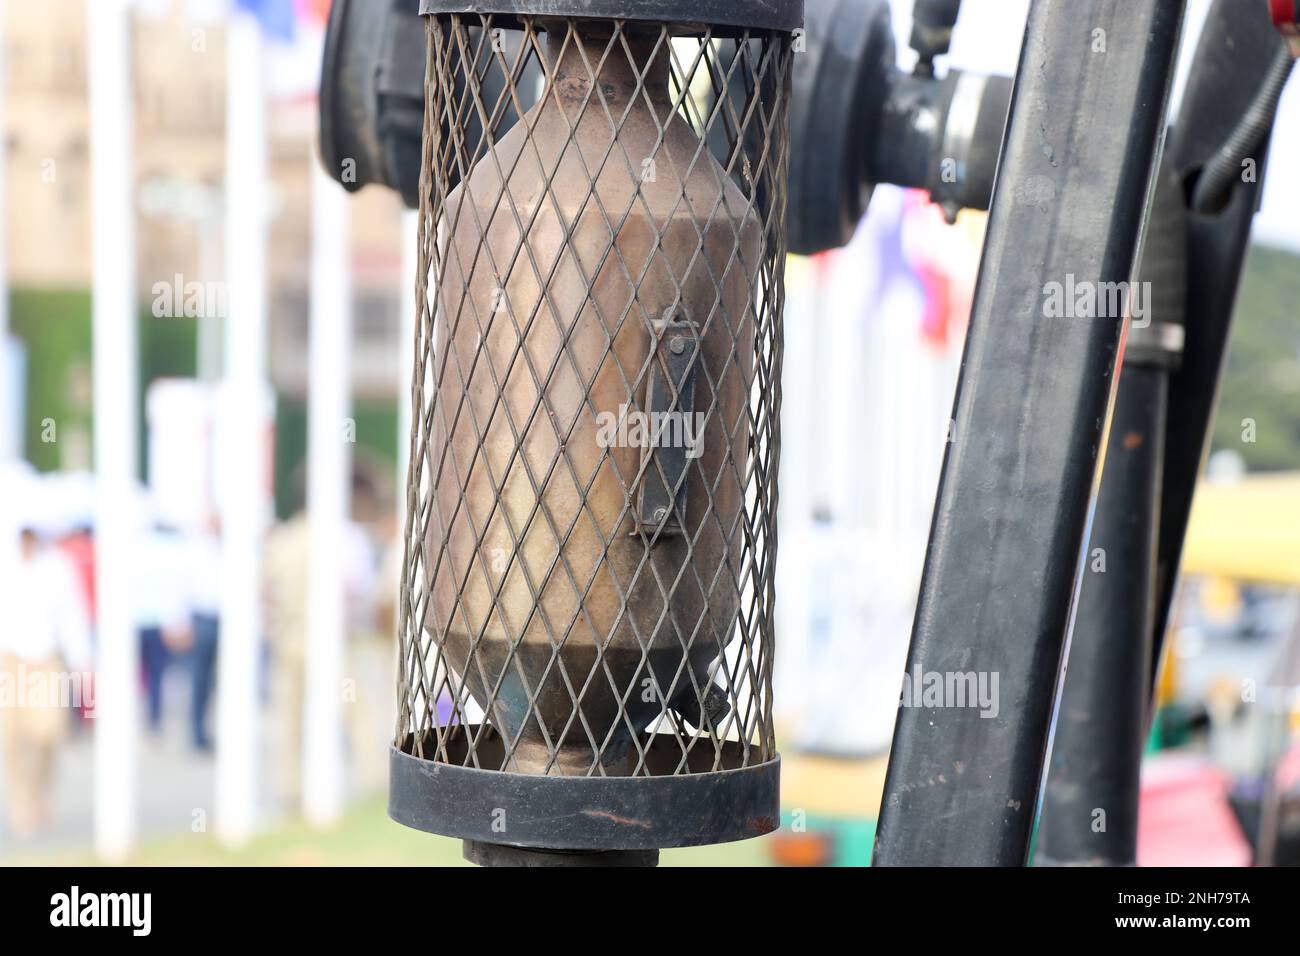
1090	801
1087	119
1236	51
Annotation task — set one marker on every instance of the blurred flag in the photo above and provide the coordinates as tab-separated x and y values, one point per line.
313	11
944	259
276	17
296	31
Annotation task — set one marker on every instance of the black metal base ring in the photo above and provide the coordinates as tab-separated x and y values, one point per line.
588	813
784	15
499	854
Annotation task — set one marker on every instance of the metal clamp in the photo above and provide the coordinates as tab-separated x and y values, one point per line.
670	438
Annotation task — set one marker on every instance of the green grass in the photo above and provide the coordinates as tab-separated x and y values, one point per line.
365	837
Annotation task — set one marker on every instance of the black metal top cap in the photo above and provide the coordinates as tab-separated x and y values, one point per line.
783	15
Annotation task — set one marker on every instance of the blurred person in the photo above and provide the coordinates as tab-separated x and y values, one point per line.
159	606
287	555
204	567
288	548
45	656
78	546
371	649
388	580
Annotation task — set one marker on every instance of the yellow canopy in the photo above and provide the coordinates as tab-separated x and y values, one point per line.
1247	530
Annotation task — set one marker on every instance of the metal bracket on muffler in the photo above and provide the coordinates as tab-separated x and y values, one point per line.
671	440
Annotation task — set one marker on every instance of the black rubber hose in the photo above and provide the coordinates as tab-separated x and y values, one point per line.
1216	178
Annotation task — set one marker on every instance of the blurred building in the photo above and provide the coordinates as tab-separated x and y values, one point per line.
180	75
48	143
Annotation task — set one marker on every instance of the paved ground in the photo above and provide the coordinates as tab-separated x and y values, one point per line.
175	786
174	782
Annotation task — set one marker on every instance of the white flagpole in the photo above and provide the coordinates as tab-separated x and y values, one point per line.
244	467
329	465
108	43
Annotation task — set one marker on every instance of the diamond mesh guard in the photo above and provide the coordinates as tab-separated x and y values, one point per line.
591	503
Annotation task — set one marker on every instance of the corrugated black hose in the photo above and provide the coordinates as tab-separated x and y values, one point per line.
1216	178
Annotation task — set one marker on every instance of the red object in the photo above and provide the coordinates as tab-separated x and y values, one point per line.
940	305
79	549
1284	14
802	849
945	270
1183	815
824	264
316	11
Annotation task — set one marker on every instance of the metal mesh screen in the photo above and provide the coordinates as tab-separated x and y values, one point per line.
591	505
